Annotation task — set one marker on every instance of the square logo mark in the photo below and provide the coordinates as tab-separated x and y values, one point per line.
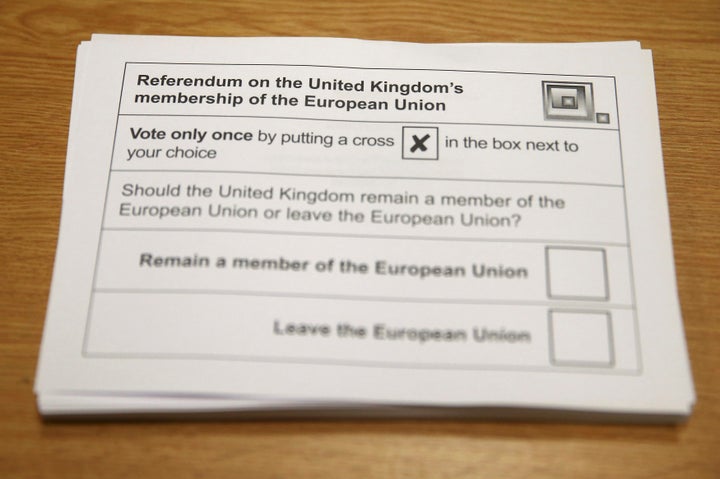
568	101
420	143
602	118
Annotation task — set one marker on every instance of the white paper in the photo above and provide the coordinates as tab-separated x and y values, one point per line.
278	222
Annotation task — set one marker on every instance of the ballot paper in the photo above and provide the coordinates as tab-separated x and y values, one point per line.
344	227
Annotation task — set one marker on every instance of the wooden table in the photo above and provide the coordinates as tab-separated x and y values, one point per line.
38	44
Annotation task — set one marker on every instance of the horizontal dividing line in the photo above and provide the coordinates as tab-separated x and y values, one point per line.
354	363
343	67
368	236
362	177
403	122
227	292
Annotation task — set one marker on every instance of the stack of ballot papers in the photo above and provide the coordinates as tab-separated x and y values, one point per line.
337	227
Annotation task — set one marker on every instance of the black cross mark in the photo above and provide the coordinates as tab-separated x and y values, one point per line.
419	143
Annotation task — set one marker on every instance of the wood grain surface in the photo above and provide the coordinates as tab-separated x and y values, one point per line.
37	48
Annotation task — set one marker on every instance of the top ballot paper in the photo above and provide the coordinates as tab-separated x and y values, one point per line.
298	224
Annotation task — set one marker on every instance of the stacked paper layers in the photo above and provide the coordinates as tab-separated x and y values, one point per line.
339	227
